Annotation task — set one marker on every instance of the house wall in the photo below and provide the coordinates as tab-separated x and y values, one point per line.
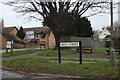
104	33
50	40
14	31
3	42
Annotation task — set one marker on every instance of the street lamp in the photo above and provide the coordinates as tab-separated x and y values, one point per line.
112	46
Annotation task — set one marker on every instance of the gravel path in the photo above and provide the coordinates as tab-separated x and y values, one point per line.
31	55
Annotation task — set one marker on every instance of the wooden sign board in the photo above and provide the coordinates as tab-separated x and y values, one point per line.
69	44
8	46
9	42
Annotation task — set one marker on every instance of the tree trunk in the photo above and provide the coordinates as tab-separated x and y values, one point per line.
57	34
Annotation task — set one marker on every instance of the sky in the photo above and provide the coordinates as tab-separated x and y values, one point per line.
11	18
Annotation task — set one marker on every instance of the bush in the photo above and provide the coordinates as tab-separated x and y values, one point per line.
19	42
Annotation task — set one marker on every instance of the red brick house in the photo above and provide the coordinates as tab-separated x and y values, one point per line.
7	33
43	36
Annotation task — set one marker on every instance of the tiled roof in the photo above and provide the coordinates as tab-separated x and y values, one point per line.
8	29
37	29
6	33
10	36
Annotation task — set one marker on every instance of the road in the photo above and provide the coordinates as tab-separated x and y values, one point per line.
9	75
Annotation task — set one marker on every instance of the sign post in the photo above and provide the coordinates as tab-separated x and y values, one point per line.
69	44
80	54
9	45
59	53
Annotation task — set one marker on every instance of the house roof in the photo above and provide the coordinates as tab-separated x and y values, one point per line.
104	33
108	28
10	36
6	33
37	29
8	29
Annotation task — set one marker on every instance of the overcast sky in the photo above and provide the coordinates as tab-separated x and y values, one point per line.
12	19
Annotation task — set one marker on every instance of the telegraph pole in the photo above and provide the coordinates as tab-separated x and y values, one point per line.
112	60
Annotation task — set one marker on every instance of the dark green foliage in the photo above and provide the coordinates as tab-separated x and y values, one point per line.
21	33
81	28
19	42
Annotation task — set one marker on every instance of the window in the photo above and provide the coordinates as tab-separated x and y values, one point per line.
42	42
42	35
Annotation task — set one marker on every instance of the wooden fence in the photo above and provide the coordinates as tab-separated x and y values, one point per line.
86	42
116	43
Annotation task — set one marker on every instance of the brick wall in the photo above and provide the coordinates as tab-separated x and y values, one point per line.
50	40
18	46
14	31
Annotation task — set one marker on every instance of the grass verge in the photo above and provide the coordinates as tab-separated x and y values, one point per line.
100	69
69	52
100	50
116	57
22	52
55	53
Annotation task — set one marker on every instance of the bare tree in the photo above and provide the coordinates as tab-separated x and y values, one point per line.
57	14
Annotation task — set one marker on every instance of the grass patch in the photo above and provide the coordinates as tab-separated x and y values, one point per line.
55	53
69	52
15	53
99	69
116	57
71	59
100	50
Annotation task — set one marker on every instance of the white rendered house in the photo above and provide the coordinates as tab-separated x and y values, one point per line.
104	33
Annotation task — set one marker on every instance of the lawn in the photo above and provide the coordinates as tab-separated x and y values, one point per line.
69	52
51	53
97	53
117	56
15	53
100	50
100	69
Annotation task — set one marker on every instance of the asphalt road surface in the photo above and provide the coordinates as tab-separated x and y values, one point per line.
8	75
